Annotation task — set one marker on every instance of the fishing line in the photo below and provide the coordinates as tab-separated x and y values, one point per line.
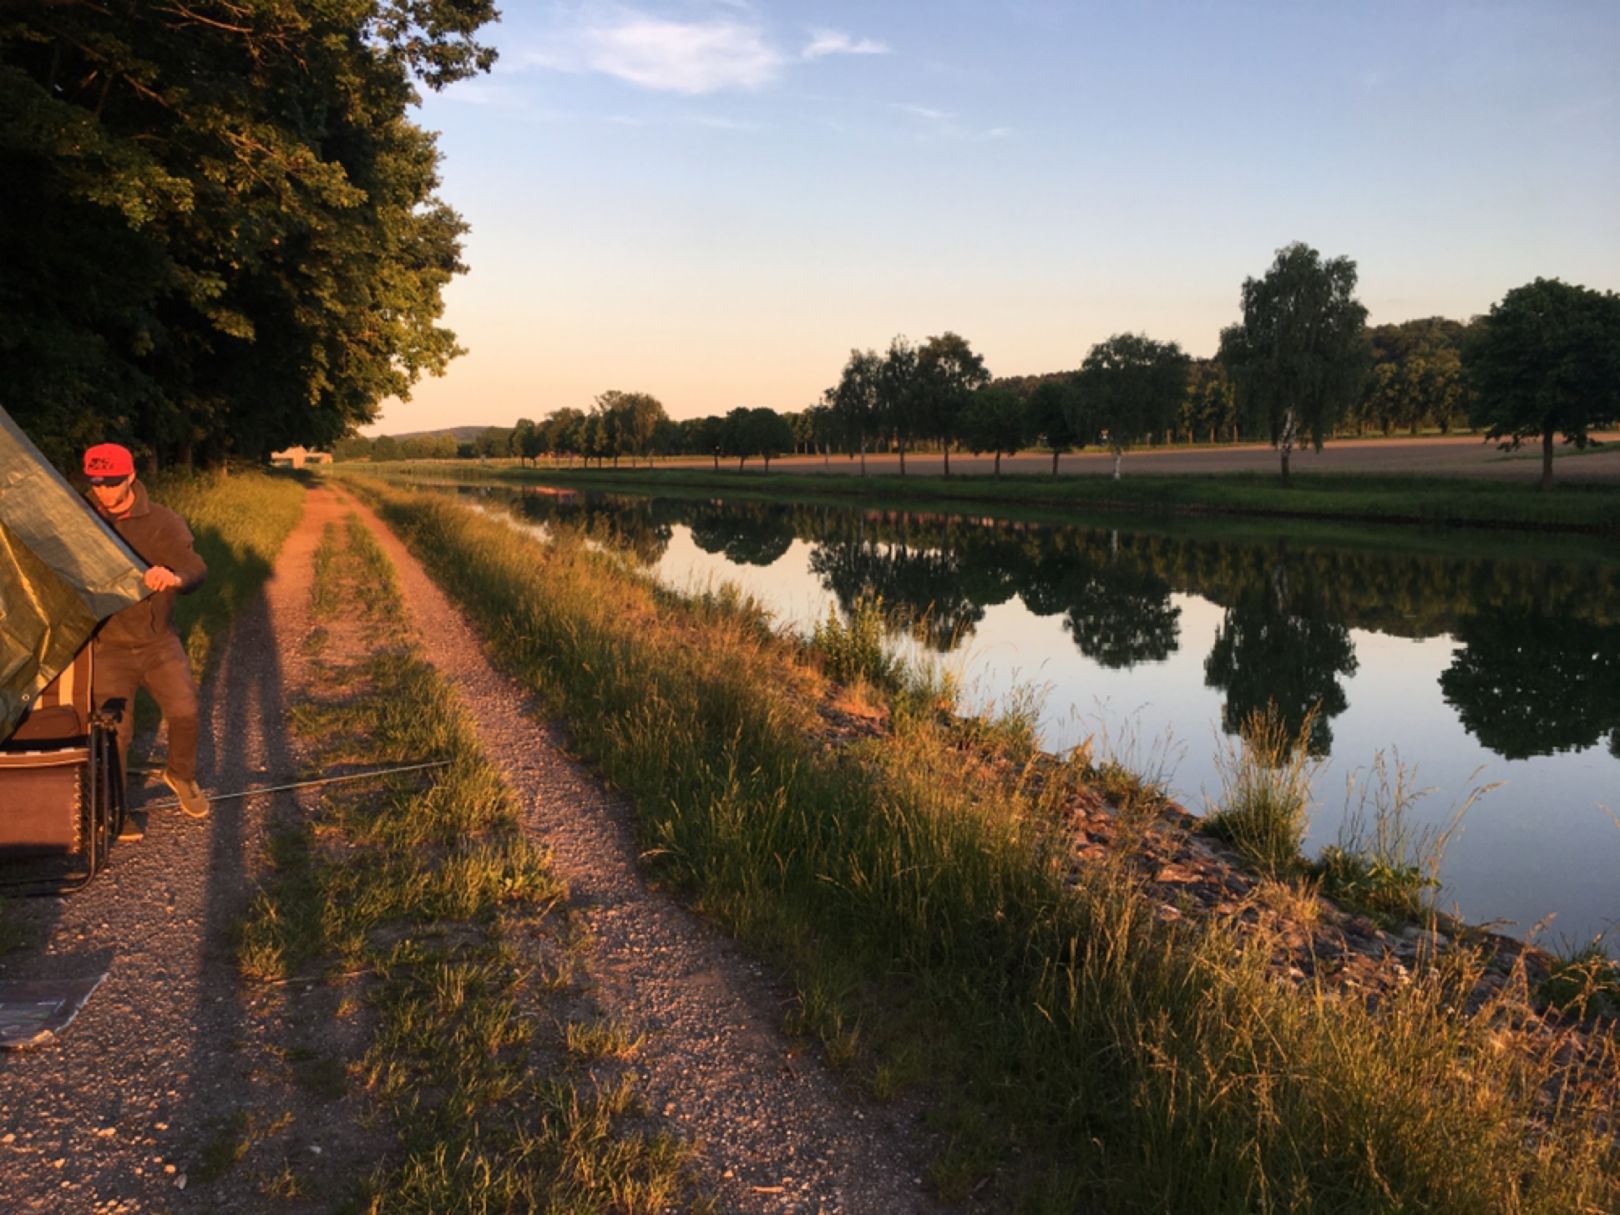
300	784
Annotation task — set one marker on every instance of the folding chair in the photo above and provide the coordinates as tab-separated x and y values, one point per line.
61	791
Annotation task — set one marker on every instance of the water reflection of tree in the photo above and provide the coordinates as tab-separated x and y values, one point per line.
638	527
1114	605
748	534
922	587
1276	646
1528	684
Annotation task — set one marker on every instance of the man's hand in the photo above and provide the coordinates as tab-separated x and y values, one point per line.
161	578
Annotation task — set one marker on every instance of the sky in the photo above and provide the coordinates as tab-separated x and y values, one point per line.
714	201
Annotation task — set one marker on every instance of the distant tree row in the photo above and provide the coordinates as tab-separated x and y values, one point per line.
1299	366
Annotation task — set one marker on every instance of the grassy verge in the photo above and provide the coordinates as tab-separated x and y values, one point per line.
405	902
1074	1050
1370	498
238	523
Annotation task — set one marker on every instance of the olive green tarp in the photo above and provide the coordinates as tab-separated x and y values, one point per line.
62	571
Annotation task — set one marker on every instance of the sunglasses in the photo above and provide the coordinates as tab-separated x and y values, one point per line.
118	480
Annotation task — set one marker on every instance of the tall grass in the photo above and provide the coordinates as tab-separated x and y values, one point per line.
1265	799
1383	863
238	522
1074	1049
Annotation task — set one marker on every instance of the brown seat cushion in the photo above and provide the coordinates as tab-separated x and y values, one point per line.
51	723
39	810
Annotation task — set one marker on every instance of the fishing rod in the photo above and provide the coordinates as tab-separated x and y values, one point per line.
172	803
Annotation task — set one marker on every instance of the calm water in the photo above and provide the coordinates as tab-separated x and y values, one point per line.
1501	666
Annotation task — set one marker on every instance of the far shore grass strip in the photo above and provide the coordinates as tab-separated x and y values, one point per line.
432	925
1580	507
1074	1051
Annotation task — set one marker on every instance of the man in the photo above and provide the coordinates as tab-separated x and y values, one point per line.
138	646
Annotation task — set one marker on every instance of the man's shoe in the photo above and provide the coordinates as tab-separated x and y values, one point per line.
193	800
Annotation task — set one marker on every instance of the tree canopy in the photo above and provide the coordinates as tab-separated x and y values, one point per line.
219	228
948	373
1129	386
1546	360
1298	355
994	420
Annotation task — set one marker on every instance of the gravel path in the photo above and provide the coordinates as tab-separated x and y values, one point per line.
775	1130
113	1115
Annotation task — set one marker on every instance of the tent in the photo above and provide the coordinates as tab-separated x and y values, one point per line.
62	572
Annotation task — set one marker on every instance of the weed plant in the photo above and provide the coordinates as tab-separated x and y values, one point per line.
1383	864
1265	796
1074	1050
420	888
858	650
1584	982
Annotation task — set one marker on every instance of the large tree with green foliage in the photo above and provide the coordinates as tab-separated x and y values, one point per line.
702	437
948	374
218	226
629	422
995	421
760	431
1545	361
1298	355
1416	376
1130	386
1048	416
856	400
1209	407
899	395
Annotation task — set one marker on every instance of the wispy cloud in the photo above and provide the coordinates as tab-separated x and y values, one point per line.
836	42
691	57
942	125
712	122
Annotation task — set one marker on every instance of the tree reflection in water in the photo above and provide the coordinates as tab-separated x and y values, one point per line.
748	534
1116	607
1527	684
923	589
1275	647
1537	669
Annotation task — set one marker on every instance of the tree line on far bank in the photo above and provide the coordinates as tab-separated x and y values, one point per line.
1300	365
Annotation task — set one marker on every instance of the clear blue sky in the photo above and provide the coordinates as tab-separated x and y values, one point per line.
714	200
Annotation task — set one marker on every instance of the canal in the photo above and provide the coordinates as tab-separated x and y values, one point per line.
1475	660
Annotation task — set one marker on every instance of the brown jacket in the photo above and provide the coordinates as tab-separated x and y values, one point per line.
159	537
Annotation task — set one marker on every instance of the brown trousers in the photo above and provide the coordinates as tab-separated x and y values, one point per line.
162	668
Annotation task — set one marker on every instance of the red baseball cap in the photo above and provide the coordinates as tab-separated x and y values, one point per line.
109	460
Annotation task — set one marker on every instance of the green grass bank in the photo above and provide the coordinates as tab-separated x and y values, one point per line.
1432	501
1074	1051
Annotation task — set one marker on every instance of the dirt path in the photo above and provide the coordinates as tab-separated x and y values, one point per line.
173	1049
